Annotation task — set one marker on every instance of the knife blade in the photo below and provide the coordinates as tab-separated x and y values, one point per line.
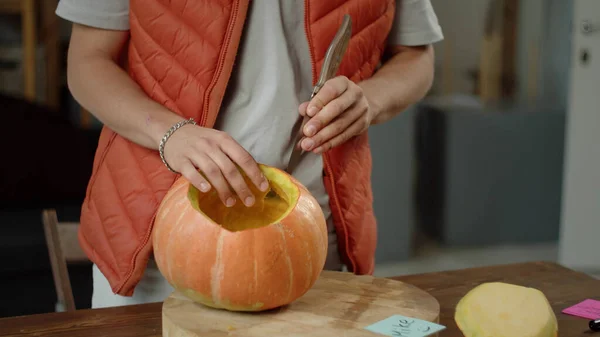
333	58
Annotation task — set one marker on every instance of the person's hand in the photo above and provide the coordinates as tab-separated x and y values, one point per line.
337	112
216	155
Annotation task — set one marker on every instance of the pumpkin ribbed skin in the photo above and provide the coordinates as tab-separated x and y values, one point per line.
247	270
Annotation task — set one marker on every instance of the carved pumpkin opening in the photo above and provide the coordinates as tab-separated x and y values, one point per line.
269	208
231	258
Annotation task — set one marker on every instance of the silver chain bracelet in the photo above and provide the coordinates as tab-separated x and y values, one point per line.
169	133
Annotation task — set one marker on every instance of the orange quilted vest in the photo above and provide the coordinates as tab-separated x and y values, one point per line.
181	53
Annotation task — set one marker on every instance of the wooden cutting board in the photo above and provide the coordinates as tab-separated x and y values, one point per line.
339	304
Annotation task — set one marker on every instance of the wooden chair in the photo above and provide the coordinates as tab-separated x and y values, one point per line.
63	248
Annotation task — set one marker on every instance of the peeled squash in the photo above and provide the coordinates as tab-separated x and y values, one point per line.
499	309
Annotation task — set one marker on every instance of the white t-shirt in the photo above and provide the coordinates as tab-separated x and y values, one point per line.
272	76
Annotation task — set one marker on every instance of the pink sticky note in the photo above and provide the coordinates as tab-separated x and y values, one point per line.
587	309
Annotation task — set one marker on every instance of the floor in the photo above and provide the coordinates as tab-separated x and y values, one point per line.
433	258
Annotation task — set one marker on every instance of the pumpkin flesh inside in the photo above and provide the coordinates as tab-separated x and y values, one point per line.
269	208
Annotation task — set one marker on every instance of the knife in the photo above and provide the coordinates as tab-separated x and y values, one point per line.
333	58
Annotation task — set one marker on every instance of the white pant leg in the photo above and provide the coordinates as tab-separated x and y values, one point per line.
153	287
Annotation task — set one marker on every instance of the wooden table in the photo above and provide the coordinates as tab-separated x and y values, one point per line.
562	286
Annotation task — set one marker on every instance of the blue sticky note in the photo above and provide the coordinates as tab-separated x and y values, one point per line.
402	326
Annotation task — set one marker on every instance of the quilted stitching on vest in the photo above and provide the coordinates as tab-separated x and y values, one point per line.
350	164
169	43
197	41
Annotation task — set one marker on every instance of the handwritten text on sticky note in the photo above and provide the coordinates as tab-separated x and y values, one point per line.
587	309
402	326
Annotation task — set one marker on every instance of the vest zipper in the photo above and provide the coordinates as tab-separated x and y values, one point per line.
326	165
309	40
235	9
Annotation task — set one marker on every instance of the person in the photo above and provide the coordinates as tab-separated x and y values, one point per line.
190	87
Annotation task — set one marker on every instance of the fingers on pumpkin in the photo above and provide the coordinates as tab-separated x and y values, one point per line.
190	172
246	163
234	178
213	173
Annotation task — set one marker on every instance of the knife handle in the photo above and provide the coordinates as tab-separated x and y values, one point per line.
335	53
331	64
297	153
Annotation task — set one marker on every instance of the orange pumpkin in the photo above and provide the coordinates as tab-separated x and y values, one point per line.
241	258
